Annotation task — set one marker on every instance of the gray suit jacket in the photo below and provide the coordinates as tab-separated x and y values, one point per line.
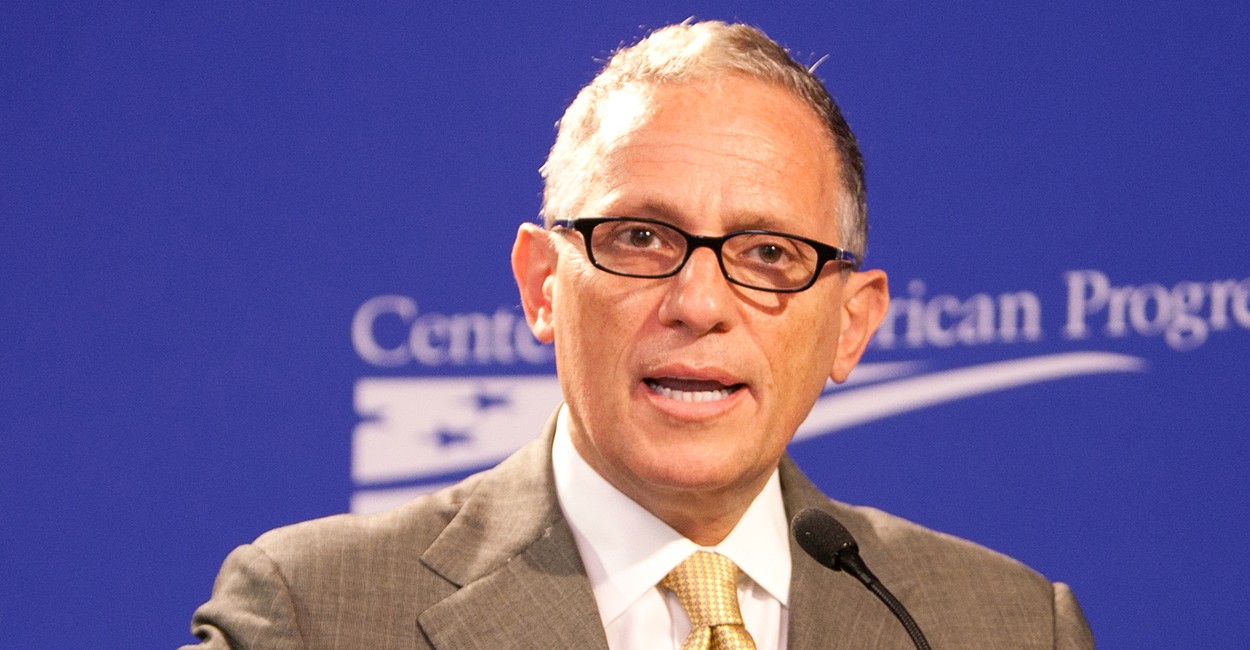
491	563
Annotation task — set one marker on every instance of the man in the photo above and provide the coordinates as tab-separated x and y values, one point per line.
698	276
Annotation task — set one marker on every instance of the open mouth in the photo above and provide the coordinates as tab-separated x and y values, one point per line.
691	390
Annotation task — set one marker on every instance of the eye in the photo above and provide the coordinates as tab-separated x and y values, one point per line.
633	236
638	237
770	253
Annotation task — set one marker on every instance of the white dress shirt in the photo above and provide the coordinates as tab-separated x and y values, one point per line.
627	551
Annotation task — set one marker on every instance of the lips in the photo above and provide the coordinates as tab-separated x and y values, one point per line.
686	389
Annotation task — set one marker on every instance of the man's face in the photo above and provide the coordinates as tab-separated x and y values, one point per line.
689	386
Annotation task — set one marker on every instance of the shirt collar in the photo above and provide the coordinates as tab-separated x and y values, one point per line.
627	550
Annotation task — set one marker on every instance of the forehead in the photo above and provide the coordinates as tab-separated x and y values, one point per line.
719	155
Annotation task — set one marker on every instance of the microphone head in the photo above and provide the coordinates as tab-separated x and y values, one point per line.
823	537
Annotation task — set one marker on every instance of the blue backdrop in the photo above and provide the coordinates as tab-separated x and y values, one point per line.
255	271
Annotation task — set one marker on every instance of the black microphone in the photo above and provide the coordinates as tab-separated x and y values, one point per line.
831	544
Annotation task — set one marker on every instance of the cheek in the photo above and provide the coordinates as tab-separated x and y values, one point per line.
807	346
596	317
573	297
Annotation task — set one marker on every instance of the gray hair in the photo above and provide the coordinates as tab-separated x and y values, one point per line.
699	51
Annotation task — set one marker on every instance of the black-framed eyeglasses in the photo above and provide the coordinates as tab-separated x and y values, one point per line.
757	259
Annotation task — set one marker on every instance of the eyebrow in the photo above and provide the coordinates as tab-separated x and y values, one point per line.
664	211
656	210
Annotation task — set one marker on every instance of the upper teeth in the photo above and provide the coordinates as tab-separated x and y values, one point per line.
692	395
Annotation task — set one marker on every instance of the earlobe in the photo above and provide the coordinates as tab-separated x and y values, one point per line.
865	299
533	266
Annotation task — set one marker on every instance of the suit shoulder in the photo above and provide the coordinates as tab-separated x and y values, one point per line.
908	537
410	527
964	592
942	557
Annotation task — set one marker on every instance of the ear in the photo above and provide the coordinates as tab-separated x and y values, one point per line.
865	298
534	265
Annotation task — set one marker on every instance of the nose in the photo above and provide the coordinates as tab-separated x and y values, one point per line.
699	297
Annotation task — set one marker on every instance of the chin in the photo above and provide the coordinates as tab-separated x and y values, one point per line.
694	472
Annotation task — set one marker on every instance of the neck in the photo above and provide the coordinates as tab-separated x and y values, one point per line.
705	514
705	518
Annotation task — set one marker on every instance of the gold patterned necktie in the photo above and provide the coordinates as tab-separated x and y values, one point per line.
706	585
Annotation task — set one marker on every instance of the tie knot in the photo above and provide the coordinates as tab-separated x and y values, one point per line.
706	585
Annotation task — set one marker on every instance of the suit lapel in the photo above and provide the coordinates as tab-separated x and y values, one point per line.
539	599
522	583
829	609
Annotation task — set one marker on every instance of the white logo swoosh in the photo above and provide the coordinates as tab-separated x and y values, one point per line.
848	408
